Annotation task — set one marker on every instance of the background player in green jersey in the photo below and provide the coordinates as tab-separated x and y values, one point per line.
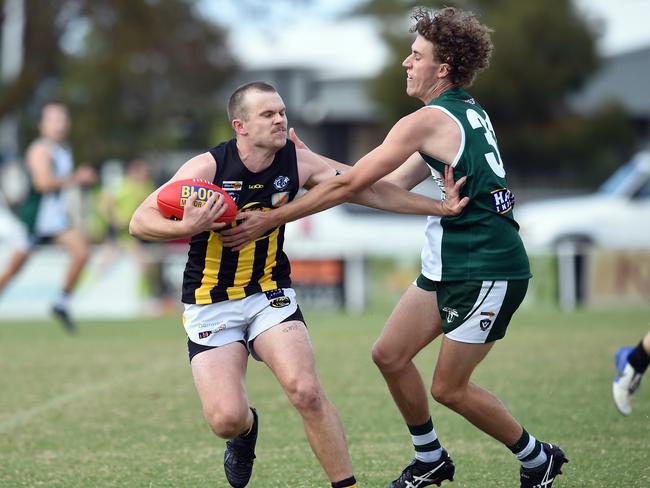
45	212
474	267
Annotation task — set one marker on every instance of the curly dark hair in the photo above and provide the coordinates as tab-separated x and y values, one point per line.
459	40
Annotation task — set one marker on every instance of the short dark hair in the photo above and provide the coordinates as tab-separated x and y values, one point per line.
459	40
236	107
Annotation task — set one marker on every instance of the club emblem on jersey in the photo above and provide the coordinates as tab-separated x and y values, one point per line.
485	324
504	200
234	195
452	314
278	199
281	182
232	185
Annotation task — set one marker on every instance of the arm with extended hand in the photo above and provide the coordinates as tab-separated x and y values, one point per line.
384	194
388	193
401	142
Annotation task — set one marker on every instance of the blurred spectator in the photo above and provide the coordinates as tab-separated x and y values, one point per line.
135	186
116	204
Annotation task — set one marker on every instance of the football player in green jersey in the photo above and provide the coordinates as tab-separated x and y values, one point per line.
475	269
45	212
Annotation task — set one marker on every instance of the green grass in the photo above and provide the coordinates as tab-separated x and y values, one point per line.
115	406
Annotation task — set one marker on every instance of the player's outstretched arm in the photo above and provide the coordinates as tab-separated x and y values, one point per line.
148	223
388	193
404	139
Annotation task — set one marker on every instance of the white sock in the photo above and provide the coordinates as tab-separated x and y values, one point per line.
62	300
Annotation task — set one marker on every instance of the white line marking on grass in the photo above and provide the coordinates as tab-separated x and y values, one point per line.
56	402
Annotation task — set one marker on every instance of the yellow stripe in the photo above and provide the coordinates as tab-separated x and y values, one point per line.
210	270
244	272
245	268
266	281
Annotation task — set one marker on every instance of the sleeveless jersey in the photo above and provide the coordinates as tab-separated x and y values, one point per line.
46	214
482	243
214	273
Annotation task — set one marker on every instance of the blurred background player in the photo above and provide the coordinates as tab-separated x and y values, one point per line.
631	363
44	213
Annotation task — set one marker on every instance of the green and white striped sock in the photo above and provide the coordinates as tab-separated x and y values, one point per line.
425	441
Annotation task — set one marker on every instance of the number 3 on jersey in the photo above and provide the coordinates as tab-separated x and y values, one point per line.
493	158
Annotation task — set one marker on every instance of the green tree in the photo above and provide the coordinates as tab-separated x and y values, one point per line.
137	74
544	52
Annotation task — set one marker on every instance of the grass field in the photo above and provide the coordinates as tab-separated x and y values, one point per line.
115	406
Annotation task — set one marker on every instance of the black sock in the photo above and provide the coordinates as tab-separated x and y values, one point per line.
639	359
347	482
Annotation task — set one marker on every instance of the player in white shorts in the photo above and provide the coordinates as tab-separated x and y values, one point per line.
241	301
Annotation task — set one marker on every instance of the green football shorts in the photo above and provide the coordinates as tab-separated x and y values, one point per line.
476	311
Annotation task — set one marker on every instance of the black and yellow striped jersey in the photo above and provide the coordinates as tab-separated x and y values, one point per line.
214	273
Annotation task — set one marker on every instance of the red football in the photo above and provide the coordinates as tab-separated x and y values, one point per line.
172	198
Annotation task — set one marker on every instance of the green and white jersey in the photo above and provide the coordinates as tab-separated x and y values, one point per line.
46	214
482	243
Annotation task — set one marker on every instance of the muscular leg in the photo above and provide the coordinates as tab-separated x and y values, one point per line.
219	376
79	249
286	350
452	388
16	263
414	323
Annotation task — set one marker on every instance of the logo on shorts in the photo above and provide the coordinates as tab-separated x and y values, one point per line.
488	314
271	294
280	302
205	325
204	334
485	324
452	314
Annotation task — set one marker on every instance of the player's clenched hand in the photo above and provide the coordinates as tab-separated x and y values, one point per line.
198	219
453	203
250	226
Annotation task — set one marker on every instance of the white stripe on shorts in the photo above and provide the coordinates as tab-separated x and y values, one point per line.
475	329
